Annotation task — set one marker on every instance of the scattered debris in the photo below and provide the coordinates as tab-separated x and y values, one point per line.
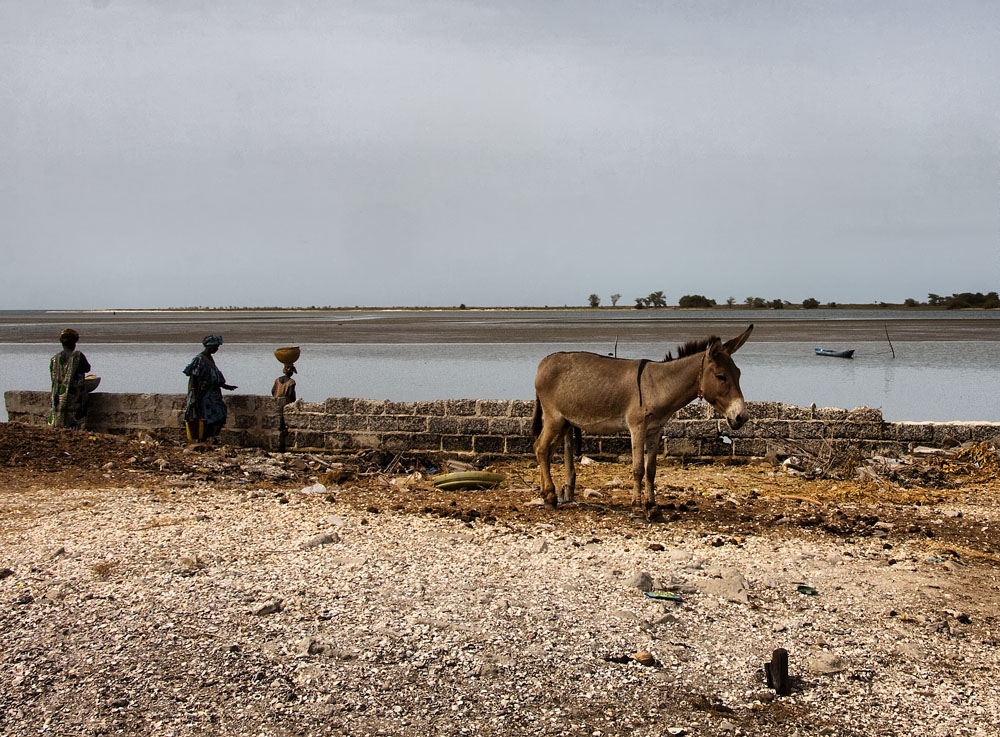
776	672
643	657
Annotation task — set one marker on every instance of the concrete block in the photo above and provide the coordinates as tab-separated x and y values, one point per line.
519	446
960	431
304	439
522	408
239	402
864	414
791	412
427	441
429	409
920	432
398	423
400	408
694	411
311	421
766	410
365	440
854	430
715	447
460	407
488	444
243	422
369	406
493	408
806	429
473	425
153	418
830	413
750	447
458	443
869	448
615	445
676	447
125	402
338	441
443	425
984	431
507	426
339	405
37	402
760	429
703	428
14	402
353	423
299	407
397	441
675	429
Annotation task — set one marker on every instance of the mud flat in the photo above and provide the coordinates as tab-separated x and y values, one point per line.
496	326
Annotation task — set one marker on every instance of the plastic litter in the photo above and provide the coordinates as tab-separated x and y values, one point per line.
664	596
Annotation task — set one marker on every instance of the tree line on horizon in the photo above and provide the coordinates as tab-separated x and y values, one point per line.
957	301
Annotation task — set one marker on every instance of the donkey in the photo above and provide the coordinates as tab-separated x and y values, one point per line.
575	390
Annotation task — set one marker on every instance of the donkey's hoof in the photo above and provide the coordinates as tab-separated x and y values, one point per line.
551	502
654	514
638	515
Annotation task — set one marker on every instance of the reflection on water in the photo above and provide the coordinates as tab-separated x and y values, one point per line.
926	381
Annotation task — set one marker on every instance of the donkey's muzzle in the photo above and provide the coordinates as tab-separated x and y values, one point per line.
738	421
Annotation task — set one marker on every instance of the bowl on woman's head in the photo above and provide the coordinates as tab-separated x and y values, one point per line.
287	355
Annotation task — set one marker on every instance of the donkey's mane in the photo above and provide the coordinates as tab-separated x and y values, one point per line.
690	348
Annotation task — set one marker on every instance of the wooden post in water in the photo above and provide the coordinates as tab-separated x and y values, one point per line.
887	338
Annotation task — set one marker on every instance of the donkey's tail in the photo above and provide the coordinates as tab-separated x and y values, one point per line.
536	419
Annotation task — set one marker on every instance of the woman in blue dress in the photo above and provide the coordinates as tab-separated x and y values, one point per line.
205	413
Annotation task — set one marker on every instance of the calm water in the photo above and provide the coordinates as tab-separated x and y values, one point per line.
928	380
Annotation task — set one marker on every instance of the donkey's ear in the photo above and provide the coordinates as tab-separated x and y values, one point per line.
736	343
715	347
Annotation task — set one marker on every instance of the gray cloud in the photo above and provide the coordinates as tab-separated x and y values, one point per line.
162	154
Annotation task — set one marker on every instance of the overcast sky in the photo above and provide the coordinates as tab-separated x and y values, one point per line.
421	152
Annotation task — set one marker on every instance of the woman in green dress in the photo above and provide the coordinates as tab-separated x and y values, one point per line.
68	370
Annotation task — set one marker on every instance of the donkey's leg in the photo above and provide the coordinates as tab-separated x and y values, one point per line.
638	458
569	456
652	447
543	453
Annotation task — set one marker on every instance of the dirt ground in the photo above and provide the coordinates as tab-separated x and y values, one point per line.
150	587
731	500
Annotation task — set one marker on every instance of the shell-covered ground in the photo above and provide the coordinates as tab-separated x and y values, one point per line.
149	588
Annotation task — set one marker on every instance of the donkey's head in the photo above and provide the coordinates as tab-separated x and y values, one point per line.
719	382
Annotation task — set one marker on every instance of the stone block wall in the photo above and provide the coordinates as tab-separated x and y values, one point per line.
503	427
253	421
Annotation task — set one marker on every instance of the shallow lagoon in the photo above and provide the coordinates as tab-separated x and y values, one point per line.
927	380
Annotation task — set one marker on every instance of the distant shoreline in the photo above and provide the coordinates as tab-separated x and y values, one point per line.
828	328
578	308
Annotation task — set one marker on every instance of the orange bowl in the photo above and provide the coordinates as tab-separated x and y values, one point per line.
287	355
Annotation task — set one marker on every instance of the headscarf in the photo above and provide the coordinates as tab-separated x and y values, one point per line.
212	340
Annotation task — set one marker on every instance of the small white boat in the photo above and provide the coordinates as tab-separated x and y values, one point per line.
834	353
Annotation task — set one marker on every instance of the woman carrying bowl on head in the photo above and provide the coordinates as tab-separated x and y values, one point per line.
205	412
284	385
